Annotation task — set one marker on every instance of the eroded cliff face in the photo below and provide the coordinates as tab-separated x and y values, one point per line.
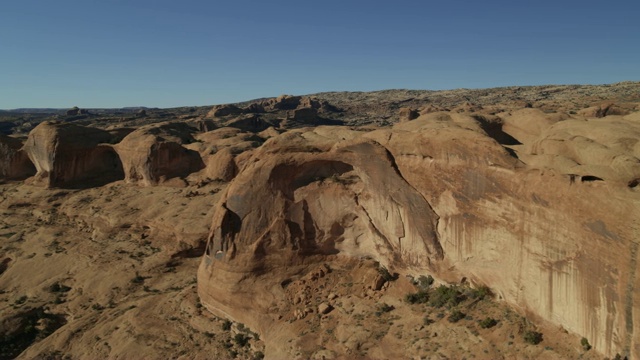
550	229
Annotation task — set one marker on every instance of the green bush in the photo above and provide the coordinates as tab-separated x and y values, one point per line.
419	297
480	293
386	275
446	296
456	315
585	344
533	337
56	288
488	323
424	282
241	339
226	325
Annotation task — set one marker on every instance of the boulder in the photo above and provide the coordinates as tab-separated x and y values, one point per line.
222	165
14	162
155	153
69	155
407	114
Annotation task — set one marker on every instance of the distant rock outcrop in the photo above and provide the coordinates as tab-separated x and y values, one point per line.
250	122
224	110
14	162
599	111
74	111
305	114
407	114
69	155
283	102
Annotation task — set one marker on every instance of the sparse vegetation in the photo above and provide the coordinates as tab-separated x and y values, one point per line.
58	288
226	325
383	308
420	297
138	279
585	344
424	282
480	293
446	296
533	337
241	339
488	323
386	275
456	315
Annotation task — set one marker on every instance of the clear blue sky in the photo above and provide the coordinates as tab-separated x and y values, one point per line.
165	53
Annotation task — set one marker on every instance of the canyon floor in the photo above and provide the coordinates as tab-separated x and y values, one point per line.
109	269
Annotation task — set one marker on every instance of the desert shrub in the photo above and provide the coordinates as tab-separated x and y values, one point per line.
259	355
138	279
386	275
57	288
424	282
241	339
419	297
445	296
488	323
533	337
480	293
585	344
384	308
226	325
456	315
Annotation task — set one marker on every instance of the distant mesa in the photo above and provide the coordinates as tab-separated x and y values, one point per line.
74	111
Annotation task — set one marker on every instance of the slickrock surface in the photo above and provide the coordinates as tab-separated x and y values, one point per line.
489	224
